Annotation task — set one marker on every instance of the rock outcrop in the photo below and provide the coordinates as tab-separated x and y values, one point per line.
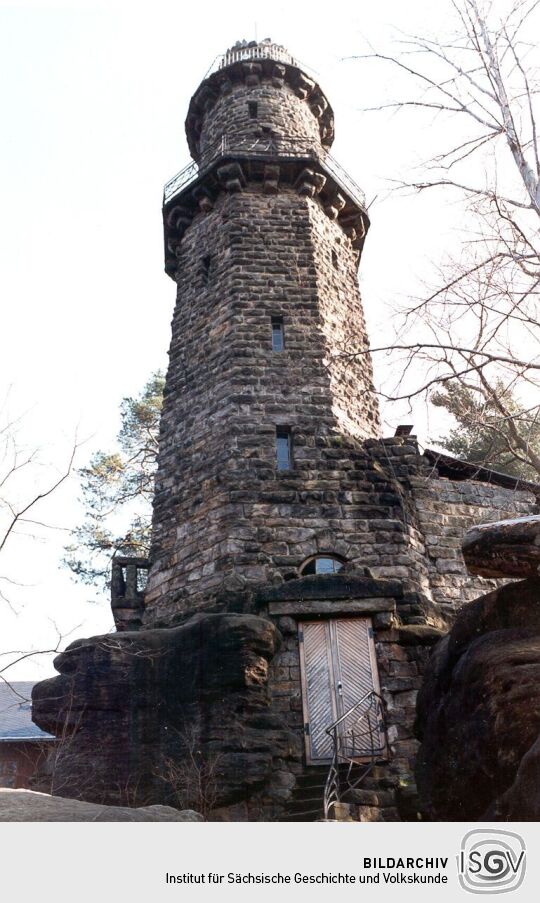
178	716
26	805
478	715
508	548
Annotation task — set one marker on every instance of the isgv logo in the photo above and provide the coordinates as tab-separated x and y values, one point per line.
491	862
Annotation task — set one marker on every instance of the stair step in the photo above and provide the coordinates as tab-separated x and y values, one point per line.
311	815
300	787
318	777
306	793
306	802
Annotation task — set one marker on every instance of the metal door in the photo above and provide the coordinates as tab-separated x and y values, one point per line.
338	667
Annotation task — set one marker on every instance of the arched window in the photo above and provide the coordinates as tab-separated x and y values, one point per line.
321	564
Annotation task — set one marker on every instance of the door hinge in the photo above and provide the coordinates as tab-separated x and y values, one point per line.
370	633
300	636
306	729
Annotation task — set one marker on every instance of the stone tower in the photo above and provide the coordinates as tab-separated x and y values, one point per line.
301	565
263	237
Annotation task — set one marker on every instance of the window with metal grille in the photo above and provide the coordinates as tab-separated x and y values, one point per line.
278	334
283	448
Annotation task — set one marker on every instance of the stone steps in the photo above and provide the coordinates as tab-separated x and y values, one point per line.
313	791
304	816
307	801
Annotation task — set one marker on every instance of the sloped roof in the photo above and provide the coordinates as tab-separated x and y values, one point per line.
16	712
456	469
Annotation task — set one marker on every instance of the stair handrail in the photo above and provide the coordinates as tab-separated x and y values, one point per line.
332	789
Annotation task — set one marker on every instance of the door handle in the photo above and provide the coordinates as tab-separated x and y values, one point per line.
340	688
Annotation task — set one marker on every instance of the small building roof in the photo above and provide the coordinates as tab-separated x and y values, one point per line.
457	469
16	713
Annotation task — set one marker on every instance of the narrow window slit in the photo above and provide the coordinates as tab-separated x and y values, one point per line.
252	109
278	334
206	263
283	448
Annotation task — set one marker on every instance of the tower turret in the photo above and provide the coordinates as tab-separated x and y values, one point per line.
263	235
238	100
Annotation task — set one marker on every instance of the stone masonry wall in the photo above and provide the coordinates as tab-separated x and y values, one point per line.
402	650
221	508
378	504
279	112
445	511
438	511
290	104
343	324
224	516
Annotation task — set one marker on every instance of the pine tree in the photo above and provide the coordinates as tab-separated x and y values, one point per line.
483	436
117	490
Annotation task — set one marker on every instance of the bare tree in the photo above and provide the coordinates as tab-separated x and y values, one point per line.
192	779
26	480
22	489
477	325
10	658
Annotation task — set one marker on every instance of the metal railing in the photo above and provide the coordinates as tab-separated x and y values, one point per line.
274	146
343	178
358	738
264	51
186	175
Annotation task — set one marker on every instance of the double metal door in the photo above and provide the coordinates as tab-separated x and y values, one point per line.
338	667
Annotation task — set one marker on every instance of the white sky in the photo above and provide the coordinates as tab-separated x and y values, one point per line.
92	104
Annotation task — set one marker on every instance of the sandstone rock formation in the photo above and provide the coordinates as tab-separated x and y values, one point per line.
478	714
208	714
26	805
505	549
126	707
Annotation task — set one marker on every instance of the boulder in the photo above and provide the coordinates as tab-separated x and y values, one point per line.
478	712
178	716
27	805
506	548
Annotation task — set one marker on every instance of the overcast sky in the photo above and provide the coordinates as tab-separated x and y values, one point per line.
93	101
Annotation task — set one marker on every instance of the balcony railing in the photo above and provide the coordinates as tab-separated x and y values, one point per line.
264	51
267	146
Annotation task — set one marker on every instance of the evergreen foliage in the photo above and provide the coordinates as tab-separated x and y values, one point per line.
117	490
482	435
